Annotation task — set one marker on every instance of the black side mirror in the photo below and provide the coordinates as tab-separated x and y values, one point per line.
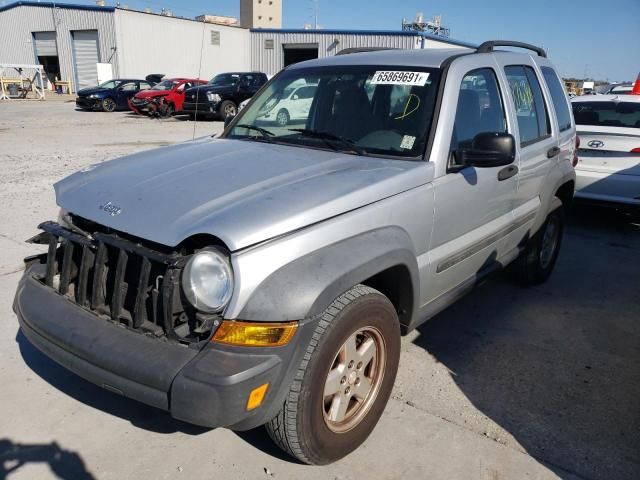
489	149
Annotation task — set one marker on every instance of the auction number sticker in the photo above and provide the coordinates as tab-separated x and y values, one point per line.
400	78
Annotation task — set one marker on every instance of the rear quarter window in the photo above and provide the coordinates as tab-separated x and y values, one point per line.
558	97
607	114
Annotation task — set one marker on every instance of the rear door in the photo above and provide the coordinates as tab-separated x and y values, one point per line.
608	168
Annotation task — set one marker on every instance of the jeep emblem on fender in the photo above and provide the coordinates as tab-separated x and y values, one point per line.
111	209
596	143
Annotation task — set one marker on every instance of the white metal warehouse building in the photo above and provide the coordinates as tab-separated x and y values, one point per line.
70	40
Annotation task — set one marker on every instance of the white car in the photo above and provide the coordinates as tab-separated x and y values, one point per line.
608	169
294	105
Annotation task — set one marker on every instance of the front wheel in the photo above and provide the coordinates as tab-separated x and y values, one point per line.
283	118
536	263
108	104
344	381
228	109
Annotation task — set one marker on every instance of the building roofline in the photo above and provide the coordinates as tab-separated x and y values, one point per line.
68	6
398	33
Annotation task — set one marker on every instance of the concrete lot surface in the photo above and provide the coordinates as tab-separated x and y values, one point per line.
509	383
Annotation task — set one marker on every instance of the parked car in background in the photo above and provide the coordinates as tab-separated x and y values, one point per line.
608	169
293	105
111	95
164	98
222	95
265	276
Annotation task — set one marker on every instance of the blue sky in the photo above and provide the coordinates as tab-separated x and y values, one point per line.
601	39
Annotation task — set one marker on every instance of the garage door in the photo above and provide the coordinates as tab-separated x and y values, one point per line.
45	43
85	53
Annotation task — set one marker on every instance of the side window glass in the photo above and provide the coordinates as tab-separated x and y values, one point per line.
559	98
533	118
144	86
129	87
306	92
480	108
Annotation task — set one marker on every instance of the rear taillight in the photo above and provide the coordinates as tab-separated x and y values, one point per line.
575	152
636	87
636	150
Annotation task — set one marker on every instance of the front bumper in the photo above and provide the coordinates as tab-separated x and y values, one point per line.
139	107
87	103
207	387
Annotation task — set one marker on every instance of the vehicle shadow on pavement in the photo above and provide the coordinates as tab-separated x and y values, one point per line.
65	464
556	366
141	416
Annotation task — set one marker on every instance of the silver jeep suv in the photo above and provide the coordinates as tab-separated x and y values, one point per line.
266	276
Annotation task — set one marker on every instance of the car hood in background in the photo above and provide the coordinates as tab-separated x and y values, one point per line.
84	92
241	191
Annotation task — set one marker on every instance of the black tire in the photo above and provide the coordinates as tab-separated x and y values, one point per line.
192	117
228	109
302	428
536	263
108	105
283	117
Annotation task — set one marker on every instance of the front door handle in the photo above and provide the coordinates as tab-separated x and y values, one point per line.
507	172
552	152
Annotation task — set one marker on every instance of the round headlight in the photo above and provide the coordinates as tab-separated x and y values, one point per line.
207	281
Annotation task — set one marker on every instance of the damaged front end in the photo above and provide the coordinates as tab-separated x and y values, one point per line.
122	280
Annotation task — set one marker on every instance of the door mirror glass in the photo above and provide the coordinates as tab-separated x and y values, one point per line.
295	97
489	149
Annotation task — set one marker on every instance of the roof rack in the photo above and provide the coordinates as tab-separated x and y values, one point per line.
347	51
488	47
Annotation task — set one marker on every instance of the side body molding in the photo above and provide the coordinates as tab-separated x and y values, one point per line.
305	287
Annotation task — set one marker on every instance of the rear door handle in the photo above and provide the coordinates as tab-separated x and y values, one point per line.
552	152
507	172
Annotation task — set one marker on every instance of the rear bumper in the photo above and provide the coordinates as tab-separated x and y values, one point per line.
207	387
613	188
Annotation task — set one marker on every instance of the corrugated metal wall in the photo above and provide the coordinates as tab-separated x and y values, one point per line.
173	46
18	24
271	61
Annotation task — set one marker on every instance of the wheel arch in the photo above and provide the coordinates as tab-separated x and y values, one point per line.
382	259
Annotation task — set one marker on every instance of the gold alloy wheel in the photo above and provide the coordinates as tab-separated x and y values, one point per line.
354	380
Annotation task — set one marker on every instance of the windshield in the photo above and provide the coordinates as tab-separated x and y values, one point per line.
356	109
110	84
165	85
225	79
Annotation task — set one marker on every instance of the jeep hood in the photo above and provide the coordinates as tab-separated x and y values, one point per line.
241	191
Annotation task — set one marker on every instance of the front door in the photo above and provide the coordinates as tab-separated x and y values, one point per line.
125	92
473	206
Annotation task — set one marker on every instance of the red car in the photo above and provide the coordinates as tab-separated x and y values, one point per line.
164	98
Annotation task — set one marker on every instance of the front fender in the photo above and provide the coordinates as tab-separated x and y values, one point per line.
306	286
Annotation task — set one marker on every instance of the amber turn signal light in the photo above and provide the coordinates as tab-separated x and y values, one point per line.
257	396
255	334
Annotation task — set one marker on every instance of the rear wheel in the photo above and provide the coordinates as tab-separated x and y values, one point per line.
108	104
536	263
344	380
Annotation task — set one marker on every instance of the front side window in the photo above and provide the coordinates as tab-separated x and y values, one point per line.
607	114
533	118
376	110
558	97
480	108
129	87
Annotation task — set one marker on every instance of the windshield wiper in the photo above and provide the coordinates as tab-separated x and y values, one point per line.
350	144
266	134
